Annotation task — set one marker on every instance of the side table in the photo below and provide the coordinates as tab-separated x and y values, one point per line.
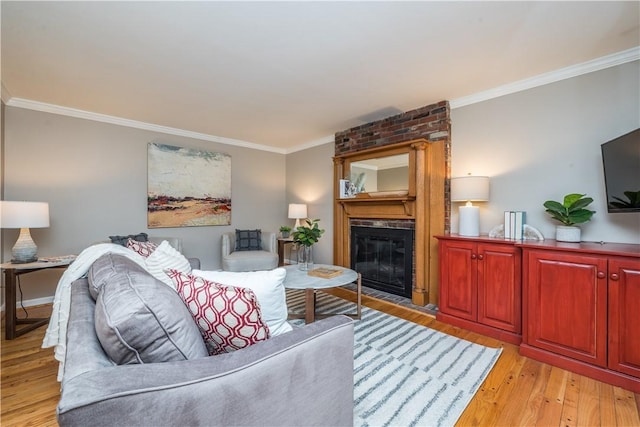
282	242
11	273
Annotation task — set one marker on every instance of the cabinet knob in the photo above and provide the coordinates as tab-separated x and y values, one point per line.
601	275
473	256
481	257
614	276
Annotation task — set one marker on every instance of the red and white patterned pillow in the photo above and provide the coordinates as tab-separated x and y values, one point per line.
143	248
229	317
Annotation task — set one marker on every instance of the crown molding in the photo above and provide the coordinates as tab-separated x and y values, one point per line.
311	144
594	65
597	64
81	114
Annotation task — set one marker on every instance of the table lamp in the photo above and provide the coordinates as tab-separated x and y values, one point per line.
297	211
469	189
24	215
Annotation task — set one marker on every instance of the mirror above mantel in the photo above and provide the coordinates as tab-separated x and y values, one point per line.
381	173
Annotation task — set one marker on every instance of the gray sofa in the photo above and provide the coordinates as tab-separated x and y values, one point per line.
299	378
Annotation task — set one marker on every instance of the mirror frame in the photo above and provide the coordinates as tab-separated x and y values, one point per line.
380	152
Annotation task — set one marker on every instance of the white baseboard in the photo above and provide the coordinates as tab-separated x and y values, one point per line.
31	302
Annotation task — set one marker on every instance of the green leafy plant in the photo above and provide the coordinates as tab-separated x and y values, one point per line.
572	210
633	202
285	229
308	235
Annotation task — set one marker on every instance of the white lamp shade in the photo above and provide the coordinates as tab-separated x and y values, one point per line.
24	214
470	189
297	211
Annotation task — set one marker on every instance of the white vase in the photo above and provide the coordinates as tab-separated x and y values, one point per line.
567	233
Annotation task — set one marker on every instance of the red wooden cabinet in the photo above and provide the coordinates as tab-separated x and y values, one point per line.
458	279
624	315
499	286
480	286
566	304
581	309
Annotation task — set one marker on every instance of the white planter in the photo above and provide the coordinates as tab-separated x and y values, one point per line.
566	233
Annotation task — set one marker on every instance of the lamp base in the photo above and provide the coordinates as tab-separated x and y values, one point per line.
469	221
25	249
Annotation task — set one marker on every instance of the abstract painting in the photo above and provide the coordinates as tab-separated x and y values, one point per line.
187	187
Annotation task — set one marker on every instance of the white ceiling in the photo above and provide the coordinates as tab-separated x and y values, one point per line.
285	75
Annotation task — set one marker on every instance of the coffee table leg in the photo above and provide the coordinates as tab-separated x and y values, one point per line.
359	293
309	305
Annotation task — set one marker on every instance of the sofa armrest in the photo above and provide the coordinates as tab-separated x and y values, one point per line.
228	243
303	377
268	241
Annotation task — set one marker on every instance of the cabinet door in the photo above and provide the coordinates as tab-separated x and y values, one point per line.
458	290
624	315
499	286
566	298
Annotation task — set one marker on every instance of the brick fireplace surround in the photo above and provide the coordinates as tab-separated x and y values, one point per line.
425	134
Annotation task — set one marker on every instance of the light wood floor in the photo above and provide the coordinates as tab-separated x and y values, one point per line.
518	391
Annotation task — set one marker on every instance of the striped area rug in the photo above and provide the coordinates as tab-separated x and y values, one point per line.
406	374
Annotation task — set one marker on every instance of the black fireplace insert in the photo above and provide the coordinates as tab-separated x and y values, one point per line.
384	258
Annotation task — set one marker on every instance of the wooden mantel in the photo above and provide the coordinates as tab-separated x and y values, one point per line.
424	203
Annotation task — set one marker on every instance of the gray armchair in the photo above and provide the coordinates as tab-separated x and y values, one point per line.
265	259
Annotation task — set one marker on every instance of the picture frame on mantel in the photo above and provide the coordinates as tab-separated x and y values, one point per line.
347	190
187	187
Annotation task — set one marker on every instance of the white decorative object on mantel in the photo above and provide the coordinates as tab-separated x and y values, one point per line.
529	232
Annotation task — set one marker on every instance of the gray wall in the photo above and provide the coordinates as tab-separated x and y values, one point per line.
310	181
535	145
543	143
94	176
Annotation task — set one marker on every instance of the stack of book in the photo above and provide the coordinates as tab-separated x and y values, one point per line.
514	222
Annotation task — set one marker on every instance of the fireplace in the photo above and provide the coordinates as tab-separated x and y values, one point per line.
423	135
384	258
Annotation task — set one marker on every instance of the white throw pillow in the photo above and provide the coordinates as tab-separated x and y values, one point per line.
268	287
165	256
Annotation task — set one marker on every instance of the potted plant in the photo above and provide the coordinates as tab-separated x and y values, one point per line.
570	212
305	237
285	230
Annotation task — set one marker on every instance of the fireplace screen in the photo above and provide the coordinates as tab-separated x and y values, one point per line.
384	258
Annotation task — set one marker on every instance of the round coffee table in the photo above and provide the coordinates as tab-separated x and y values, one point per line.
299	279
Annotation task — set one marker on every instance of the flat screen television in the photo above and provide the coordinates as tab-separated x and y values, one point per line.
621	161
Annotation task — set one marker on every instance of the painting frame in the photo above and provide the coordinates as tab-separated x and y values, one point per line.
187	187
